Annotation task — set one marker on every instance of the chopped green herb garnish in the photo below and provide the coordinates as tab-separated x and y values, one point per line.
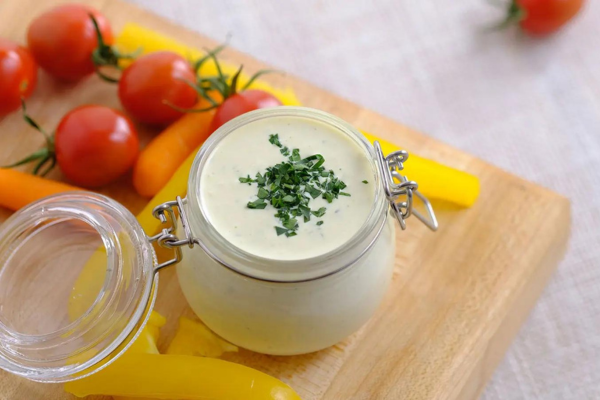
247	180
290	186
291	224
262	193
295	155
313	191
365	181
305	212
274	139
280	231
257	204
320	212
300	166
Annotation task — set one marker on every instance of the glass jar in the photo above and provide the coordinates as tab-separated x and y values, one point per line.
78	274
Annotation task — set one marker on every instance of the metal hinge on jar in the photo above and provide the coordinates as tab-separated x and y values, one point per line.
401	192
166	237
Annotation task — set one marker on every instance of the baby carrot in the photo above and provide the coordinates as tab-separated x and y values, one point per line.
160	159
17	189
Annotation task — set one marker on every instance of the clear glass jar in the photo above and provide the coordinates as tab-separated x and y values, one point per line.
78	275
287	307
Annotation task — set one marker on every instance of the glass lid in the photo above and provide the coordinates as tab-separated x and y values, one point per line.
76	284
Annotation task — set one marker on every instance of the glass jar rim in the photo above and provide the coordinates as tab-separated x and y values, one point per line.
272	270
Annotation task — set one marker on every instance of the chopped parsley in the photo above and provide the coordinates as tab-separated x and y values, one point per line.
320	212
290	186
257	204
365	181
247	180
274	139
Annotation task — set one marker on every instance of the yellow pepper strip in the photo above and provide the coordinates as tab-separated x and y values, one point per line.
156	321
146	341
193	338
436	181
134	37
160	376
144	344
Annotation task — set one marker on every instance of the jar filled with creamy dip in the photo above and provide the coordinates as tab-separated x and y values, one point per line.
284	288
285	244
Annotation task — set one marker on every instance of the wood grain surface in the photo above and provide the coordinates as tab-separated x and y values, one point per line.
458	296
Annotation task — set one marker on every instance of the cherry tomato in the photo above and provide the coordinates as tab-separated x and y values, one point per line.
542	17
154	82
241	103
63	39
18	75
95	145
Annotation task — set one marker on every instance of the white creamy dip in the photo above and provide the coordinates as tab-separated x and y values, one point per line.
247	150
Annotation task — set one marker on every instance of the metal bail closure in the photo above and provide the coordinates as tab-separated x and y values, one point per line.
167	237
401	195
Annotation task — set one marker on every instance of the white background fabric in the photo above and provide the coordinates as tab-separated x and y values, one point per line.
529	106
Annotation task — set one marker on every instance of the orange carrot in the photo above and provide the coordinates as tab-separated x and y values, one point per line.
17	189
167	151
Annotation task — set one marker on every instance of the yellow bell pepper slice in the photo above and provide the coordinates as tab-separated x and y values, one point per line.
146	342
193	338
160	376
147	339
134	37
155	322
436	181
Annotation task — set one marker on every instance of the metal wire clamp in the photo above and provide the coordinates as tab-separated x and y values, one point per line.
401	192
166	237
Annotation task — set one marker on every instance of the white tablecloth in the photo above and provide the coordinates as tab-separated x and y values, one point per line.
529	106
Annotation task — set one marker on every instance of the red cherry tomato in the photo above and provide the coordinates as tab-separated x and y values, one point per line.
543	17
63	39
154	82
95	145
241	103
18	75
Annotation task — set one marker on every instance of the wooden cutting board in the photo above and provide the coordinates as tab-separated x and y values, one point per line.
458	296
